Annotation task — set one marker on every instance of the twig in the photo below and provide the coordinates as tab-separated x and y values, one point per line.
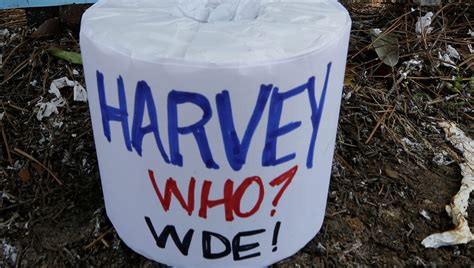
98	239
337	212
20	152
12	52
345	164
10	160
20	67
17	107
378	125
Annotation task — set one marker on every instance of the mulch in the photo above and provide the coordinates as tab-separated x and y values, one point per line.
393	170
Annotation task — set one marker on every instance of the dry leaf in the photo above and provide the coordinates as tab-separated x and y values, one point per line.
391	173
48	28
349	77
24	174
386	47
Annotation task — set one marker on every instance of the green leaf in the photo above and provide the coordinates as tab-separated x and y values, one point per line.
72	57
386	47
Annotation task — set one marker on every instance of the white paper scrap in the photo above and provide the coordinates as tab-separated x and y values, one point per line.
446	60
57	84
411	65
416	63
423	23
80	93
453	53
9	252
442	159
425	214
376	31
4	33
48	108
457	209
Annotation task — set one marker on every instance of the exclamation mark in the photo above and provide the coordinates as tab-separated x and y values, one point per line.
275	235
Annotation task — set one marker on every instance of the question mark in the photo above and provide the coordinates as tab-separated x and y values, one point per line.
284	179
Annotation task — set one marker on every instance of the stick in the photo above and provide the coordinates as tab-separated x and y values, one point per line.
7	147
378	125
98	239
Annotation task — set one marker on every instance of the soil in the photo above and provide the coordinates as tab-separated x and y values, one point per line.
386	195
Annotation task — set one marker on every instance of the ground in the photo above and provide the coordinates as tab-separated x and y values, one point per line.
393	170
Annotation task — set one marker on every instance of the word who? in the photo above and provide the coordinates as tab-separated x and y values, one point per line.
231	200
236	149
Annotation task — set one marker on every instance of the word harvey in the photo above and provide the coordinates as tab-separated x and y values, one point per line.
235	148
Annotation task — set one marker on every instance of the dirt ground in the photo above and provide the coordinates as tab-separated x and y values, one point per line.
393	170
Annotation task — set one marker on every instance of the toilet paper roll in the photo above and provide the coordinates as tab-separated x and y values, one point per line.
214	123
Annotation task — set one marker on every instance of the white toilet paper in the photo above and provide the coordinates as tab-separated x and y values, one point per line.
214	123
215	31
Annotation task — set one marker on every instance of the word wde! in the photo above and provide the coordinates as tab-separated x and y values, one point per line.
239	249
236	148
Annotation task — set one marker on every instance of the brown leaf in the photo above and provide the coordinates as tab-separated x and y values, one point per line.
391	173
356	224
24	174
48	28
349	77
